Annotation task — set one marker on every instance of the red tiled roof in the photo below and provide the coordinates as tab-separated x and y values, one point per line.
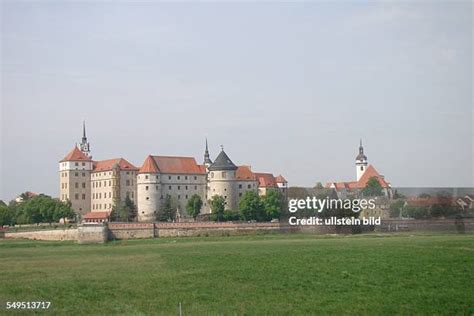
96	215
75	155
149	166
280	179
104	165
266	180
245	173
179	165
368	173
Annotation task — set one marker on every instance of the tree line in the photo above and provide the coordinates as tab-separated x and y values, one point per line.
33	210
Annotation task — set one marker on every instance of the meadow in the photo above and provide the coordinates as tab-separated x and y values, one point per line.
268	274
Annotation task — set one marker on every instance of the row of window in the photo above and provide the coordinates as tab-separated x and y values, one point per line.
100	174
170	187
223	174
99	206
169	177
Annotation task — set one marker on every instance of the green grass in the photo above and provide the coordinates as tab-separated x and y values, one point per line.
272	274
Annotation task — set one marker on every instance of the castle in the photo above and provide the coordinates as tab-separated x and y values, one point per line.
94	186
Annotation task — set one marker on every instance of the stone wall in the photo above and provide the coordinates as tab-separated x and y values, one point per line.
92	233
131	230
213	229
58	234
462	225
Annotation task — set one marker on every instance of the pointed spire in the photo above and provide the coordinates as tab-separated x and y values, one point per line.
207	159
85	147
84	129
361	155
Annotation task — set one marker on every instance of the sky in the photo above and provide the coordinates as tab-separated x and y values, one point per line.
288	88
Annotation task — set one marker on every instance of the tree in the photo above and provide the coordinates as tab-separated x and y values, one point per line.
373	188
194	205
7	216
217	204
318	186
272	204
397	208
129	210
251	207
167	212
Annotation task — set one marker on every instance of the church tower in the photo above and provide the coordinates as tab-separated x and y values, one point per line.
207	159
361	162
85	147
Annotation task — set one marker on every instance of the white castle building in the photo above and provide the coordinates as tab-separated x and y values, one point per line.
96	185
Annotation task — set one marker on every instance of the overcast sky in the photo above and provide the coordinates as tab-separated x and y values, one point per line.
286	87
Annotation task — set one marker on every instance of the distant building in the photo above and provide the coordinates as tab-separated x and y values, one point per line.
364	172
25	195
96	185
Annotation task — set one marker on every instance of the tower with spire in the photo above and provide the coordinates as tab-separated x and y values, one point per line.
207	159
361	161
85	147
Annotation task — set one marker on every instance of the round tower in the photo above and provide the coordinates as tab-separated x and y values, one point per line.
361	162
222	180
148	191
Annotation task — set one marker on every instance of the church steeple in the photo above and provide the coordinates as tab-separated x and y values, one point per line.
207	159
85	147
361	161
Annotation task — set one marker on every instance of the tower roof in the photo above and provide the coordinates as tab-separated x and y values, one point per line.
222	162
149	166
75	155
361	155
207	159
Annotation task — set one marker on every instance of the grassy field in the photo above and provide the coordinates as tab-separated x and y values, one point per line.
272	274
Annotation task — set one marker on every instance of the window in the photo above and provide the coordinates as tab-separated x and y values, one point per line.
146	188
240	194
240	186
146	176
76	174
128	172
212	174
186	197
76	185
132	194
157	177
76	196
147	198
195	187
186	187
224	175
361	168
83	163
186	178
156	188
248	186
169	188
110	183
83	196
179	197
76	164
169	177
83	174
161	197
105	183
110	194
179	177
83	185
195	178
179	187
